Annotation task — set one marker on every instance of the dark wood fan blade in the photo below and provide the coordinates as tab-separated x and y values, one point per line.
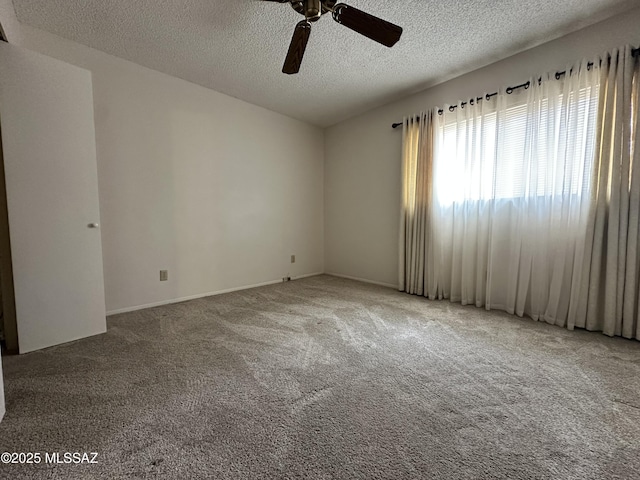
372	27
297	48
277	1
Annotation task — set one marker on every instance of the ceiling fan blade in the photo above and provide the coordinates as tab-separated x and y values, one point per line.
297	48
277	1
365	24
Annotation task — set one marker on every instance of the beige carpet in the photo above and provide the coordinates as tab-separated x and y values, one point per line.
328	378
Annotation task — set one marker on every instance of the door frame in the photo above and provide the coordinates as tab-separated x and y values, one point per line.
9	318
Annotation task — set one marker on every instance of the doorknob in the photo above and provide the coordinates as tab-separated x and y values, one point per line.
93	225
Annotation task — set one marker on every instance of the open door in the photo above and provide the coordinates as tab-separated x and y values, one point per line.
48	141
7	304
3	38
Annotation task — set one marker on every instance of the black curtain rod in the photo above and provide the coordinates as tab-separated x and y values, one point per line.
635	52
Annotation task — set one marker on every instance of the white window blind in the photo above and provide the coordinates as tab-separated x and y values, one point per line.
524	147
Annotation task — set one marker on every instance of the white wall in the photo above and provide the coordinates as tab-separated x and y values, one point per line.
362	155
218	191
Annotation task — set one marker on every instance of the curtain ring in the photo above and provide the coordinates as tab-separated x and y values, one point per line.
509	90
452	108
527	85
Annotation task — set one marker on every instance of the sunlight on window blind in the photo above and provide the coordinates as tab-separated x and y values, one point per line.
524	150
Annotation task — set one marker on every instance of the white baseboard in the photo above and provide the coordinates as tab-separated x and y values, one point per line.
358	279
202	295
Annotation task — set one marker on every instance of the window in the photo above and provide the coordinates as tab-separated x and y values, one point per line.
535	144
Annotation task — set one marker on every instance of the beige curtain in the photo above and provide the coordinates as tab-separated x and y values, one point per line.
417	186
511	195
609	288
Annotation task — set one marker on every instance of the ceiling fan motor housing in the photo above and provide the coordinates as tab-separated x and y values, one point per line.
313	9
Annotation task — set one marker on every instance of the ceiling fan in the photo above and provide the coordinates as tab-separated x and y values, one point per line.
365	24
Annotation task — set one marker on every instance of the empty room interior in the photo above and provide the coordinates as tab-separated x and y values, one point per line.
310	239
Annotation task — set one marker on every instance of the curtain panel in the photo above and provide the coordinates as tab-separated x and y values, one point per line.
528	202
609	291
417	181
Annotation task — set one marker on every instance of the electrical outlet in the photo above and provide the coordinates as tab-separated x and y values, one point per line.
164	275
293	259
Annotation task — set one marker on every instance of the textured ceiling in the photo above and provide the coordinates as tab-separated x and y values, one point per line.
238	47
